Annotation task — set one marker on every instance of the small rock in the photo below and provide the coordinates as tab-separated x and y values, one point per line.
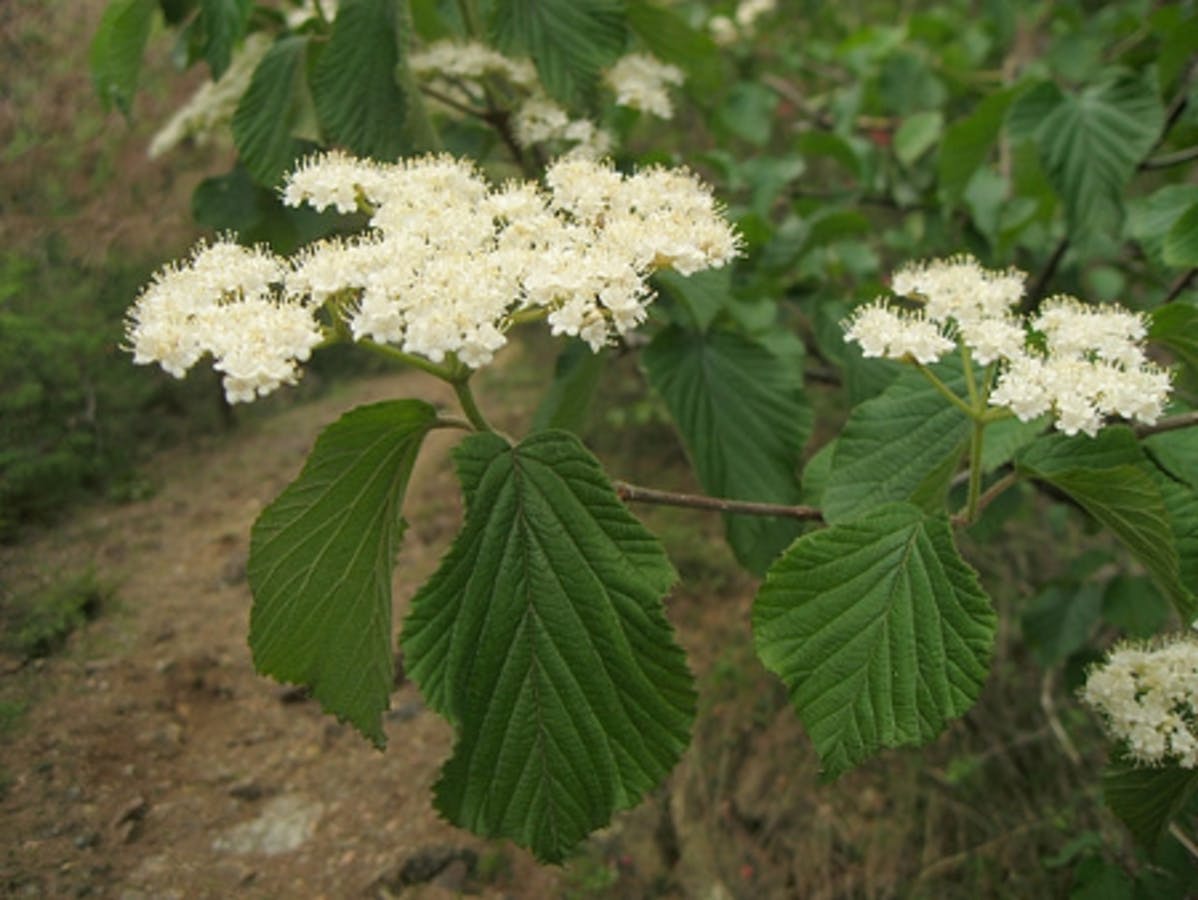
234	569
126	824
86	840
248	791
294	693
285	824
429	864
406	712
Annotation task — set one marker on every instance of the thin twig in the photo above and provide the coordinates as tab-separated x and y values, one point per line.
1166	160
1054	721
1173	423
946	864
454	104
987	497
636	494
1178	106
1180	285
1183	839
1036	294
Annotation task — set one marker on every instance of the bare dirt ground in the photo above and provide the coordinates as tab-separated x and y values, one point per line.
157	763
154	762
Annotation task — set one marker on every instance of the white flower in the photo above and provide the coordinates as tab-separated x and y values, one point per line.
210	109
642	82
447	61
723	30
448	261
222	301
333	179
959	289
885	332
749	11
1148	697
1108	333
1085	364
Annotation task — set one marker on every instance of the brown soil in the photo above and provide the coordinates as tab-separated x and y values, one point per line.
153	738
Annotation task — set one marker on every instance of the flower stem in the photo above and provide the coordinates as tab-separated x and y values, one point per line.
971	384
461	387
417	362
976	441
946	391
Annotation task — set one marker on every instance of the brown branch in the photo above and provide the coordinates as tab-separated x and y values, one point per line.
1173	423
1179	286
1166	160
988	496
1032	301
636	494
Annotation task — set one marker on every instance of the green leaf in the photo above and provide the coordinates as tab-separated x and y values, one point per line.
230	202
570	41
748	113
1181	243
741	411
1176	327
1150	219
703	295
1147	799
1112	480
1181	502
668	37
1030	108
320	563
267	111
878	628
117	48
575	379
967	143
358	100
543	638
917	135
1176	452
1133	604
1059	621
1006	437
224	23
829	145
903	444
1091	143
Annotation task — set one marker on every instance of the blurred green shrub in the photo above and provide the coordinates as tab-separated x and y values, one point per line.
74	414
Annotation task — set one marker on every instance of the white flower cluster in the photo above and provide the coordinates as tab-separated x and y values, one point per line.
725	30
455	67
1080	363
448	262
642	82
1148	696
1092	366
455	71
210	109
540	120
224	301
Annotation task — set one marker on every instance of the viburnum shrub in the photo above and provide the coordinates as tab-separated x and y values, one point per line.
542	637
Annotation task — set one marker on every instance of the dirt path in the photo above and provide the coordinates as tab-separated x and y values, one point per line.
156	763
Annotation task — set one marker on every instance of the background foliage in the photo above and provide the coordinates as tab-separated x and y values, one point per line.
1057	137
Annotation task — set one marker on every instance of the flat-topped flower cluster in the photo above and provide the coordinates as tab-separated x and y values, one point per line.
460	72
1148	697
448	261
1078	362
